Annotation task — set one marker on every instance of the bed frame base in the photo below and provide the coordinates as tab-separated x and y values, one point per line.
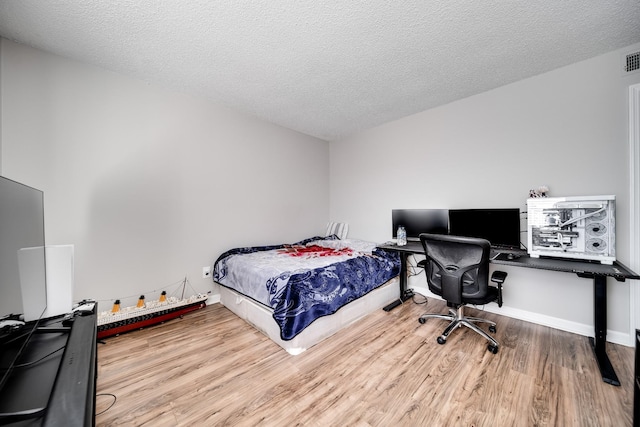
261	317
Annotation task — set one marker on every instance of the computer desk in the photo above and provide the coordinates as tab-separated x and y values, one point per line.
585	269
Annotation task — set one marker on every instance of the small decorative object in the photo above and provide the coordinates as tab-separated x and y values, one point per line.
146	313
539	192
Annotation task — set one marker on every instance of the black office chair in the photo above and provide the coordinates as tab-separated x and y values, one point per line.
457	269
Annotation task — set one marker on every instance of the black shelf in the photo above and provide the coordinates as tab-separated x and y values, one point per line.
55	381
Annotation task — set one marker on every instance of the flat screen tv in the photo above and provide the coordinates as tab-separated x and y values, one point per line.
417	221
501	227
23	289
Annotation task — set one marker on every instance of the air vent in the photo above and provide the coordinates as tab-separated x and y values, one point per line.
632	62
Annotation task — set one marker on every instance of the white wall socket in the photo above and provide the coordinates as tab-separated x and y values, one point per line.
206	272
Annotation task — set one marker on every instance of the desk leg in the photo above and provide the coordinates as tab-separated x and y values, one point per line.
599	344
404	295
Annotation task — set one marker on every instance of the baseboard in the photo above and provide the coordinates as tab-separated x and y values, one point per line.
615	337
213	299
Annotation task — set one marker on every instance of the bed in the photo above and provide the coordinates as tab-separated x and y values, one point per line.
299	294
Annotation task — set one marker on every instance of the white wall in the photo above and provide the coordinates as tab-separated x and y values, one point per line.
566	129
147	184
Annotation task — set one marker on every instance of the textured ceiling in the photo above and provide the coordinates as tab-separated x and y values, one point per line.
327	68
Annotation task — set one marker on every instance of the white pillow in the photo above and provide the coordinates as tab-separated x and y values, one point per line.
340	229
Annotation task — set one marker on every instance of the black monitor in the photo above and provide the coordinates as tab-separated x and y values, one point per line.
417	221
23	289
501	227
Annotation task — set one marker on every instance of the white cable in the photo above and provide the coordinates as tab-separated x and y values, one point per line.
572	220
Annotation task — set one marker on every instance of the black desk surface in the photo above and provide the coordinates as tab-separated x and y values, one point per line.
617	270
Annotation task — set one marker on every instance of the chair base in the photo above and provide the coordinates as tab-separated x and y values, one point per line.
458	319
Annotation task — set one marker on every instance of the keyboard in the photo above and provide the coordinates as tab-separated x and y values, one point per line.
504	253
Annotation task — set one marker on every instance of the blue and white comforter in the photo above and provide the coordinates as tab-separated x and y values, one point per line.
306	280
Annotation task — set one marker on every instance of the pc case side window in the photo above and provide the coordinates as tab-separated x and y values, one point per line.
580	227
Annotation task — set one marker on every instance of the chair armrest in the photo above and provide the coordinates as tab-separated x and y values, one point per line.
422	264
498	277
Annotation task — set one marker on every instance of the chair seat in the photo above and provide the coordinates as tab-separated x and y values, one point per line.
491	296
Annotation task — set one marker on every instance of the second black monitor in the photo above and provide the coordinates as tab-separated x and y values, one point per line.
501	227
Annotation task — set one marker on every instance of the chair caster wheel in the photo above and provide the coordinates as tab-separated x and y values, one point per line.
492	329
441	340
422	321
492	348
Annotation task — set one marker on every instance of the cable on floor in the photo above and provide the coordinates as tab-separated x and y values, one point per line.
112	403
419	298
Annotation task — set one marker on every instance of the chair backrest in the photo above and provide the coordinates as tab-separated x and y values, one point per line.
457	267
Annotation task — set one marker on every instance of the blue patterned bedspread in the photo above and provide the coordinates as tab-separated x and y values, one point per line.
306	280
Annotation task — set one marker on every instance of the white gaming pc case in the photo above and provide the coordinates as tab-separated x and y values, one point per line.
573	227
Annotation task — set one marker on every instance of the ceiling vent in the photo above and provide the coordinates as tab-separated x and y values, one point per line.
631	62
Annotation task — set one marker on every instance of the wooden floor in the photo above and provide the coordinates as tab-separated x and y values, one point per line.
212	369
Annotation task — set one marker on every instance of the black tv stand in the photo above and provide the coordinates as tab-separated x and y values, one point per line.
51	387
11	418
53	330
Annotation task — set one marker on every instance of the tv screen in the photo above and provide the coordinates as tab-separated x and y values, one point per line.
417	221
23	289
501	227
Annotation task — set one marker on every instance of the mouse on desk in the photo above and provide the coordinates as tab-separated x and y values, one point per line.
512	256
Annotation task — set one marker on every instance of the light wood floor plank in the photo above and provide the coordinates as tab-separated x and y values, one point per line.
213	369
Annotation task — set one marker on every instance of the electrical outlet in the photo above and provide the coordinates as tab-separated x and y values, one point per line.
206	272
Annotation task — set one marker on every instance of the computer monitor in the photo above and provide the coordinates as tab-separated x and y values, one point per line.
501	227
23	287
417	221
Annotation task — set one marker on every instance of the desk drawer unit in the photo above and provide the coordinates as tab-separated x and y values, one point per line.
636	385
